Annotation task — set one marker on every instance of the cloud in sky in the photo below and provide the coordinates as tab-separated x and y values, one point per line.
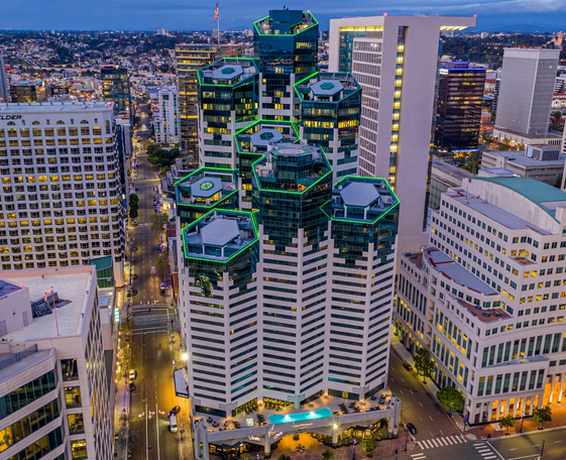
197	14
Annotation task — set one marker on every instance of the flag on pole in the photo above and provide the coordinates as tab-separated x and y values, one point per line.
216	13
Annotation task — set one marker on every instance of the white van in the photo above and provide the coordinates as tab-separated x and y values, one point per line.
172	423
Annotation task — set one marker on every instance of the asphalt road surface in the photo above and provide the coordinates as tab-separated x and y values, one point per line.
417	406
155	343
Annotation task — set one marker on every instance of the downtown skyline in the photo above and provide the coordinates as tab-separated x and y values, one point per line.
493	15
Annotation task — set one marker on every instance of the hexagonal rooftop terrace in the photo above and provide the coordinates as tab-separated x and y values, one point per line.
219	235
363	199
205	187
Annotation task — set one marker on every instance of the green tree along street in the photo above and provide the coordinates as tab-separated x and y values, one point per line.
507	422
451	399
542	415
423	363
159	156
134	202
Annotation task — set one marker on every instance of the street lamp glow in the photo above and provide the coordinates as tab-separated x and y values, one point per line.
184	356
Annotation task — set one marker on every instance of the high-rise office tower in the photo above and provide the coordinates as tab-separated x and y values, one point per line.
56	396
394	59
60	201
525	95
273	286
189	58
286	42
330	105
487	298
280	258
228	99
459	106
165	126
4	85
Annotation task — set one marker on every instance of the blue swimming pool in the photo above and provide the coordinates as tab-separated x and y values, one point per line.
300	416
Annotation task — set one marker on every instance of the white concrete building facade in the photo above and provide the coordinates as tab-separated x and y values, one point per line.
165	124
488	298
394	59
52	375
61	195
525	96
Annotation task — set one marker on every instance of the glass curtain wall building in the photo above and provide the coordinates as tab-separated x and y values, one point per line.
275	308
286	42
459	105
330	105
270	276
228	97
253	141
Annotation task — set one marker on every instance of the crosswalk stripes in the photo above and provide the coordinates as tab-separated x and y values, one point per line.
441	441
484	449
419	456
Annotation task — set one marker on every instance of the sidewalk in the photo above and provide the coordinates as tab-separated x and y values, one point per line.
121	416
523	426
489	430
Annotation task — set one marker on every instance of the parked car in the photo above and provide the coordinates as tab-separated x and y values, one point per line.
132	375
411	428
175	410
408	366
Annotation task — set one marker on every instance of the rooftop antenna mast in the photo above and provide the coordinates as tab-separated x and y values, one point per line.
216	16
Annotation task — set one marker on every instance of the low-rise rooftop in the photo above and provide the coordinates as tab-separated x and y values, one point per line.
72	286
495	213
7	288
452	270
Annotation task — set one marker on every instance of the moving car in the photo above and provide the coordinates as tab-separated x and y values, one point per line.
172	423
411	428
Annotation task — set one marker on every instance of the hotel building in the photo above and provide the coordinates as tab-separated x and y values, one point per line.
54	385
488	299
60	201
394	59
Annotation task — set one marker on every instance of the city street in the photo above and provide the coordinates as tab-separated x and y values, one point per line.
418	406
155	344
530	446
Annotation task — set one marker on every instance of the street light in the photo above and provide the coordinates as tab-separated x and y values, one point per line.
184	356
